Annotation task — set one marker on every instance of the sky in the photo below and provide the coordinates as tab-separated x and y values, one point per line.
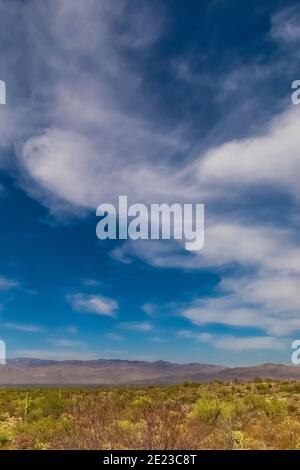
186	102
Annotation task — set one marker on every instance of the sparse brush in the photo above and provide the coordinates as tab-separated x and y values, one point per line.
241	415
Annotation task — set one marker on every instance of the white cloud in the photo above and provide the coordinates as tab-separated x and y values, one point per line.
137	326
285	25
185	334
225	242
269	302
7	284
234	343
158	339
265	294
98	142
96	304
98	128
65	342
272	158
60	161
97	145
23	327
149	309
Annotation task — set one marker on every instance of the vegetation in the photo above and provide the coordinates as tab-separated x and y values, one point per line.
262	414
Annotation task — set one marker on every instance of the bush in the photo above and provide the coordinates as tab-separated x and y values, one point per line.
272	407
209	410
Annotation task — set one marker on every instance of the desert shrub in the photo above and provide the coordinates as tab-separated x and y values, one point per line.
290	387
263	387
211	409
54	406
288	434
272	407
40	432
240	440
7	430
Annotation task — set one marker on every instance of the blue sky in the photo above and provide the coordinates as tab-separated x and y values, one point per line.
163	102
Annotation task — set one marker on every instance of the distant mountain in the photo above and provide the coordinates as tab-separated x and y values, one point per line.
27	371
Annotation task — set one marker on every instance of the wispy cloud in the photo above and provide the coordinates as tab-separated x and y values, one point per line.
269	302
7	284
114	336
95	304
285	25
247	343
91	282
73	330
137	326
257	160
236	343
91	123
149	309
55	355
23	327
65	342
158	339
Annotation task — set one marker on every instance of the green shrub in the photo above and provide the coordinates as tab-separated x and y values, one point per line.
209	410
272	407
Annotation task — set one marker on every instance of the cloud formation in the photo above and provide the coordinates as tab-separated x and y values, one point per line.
95	304
88	129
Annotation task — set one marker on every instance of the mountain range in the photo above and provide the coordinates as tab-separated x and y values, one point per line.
28	371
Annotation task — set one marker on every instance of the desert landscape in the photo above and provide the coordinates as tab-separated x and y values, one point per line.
116	404
258	414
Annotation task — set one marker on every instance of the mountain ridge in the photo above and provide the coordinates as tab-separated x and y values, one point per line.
33	371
